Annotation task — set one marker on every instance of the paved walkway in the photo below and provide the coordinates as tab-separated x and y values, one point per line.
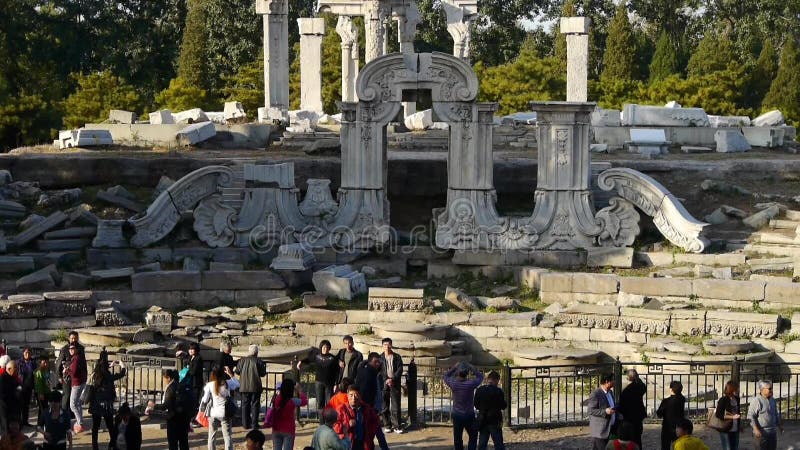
440	438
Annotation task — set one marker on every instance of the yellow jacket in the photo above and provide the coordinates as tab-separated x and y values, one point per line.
689	443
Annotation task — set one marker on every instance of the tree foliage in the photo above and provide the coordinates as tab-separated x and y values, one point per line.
523	80
247	87
234	39
97	94
713	53
665	59
784	94
619	58
194	47
181	95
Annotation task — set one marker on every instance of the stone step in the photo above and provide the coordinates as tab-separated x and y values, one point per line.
772	249
784	224
792	215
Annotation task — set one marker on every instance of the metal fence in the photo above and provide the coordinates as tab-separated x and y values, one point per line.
536	396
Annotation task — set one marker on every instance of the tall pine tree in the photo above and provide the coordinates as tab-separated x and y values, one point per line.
194	54
620	55
714	53
784	94
761	76
665	60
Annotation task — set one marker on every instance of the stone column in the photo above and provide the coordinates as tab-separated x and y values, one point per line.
375	13
349	34
276	58
407	16
311	33
460	14
577	31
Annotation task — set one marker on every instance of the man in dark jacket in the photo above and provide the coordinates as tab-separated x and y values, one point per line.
391	377
177	418
64	360
129	429
225	359
367	378
490	403
632	407
251	370
349	360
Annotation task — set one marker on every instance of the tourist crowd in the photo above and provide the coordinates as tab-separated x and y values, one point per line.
357	398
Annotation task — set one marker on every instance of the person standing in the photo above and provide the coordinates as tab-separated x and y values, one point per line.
765	418
602	412
490	403
367	382
56	425
325	375
101	397
357	421
9	396
463	387
251	370
129	429
290	396
325	438
177	417
76	373
631	405
225	360
685	440
349	360
41	385
26	366
391	376
671	410
728	410
195	361
215	395
62	364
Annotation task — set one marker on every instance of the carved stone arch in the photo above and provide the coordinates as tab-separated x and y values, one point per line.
449	79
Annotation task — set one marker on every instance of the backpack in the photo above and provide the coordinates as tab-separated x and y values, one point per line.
184	398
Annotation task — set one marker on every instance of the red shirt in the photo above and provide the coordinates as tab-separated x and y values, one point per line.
283	417
338	399
371	424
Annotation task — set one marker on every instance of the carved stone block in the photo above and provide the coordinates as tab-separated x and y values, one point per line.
590	316
644	320
751	325
390	299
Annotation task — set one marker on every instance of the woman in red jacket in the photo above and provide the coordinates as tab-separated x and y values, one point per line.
290	396
357	421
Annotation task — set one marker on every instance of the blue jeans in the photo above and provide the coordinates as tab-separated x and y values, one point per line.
730	441
462	422
282	441
496	432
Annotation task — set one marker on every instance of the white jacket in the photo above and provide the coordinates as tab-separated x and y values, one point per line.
214	403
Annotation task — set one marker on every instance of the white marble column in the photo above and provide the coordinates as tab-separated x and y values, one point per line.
375	14
311	33
577	31
276	58
460	14
407	16
348	32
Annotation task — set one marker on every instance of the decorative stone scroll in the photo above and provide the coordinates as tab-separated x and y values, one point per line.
590	316
669	215
165	211
399	300
644	320
730	324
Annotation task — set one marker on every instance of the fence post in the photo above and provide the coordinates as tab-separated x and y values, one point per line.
617	378
411	385
507	391
736	369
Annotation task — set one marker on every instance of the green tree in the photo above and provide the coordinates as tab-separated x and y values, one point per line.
761	76
720	92
784	93
97	94
234	39
497	35
713	53
247	87
193	60
181	95
516	83
665	60
620	55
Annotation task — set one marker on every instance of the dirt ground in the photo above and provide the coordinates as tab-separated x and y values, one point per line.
440	438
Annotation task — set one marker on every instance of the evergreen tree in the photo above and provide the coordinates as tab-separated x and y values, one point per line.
761	76
193	59
784	94
234	39
181	95
247	87
97	94
620	55
665	60
714	53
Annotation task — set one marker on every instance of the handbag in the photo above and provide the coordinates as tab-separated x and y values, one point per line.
269	417
201	418
718	424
